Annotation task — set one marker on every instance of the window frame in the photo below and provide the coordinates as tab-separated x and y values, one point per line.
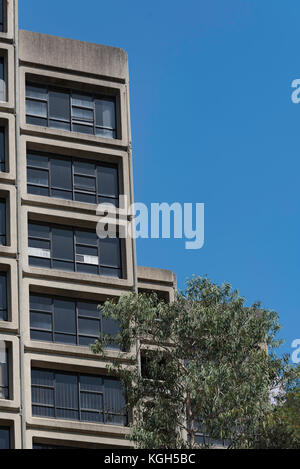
3	230
48	446
80	408
204	439
4	311
3	62
74	191
69	124
3	163
2	16
76	244
6	389
55	332
3	7
8	429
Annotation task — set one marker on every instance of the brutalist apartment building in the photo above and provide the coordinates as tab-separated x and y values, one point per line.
65	147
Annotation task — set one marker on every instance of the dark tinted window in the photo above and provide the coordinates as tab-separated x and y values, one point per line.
59	106
54	319
72	179
4	438
2	150
2	15
150	372
69	110
110	257
3	296
39	245
61	178
202	439
4	390
63	248
2	222
46	446
2	80
74	396
73	250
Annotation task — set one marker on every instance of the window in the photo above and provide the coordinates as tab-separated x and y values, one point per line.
153	364
2	222
70	110
37	445
2	150
74	396
76	322
47	446
73	250
2	79
71	179
4	438
3	297
201	439
2	16
4	380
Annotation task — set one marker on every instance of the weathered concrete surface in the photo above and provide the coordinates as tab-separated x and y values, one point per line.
73	55
152	274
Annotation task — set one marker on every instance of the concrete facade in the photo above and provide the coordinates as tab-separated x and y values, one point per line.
85	68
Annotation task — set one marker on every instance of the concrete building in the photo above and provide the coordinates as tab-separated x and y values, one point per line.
65	146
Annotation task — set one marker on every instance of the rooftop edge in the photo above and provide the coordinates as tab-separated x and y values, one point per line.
73	55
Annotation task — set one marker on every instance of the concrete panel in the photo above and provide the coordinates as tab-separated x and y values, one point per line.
13	403
60	438
14	422
69	54
7	51
9	194
8	33
84	84
148	274
8	122
103	155
10	266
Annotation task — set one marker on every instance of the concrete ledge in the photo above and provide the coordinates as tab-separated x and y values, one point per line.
13	421
57	349
113	431
9	406
71	439
157	276
77	277
82	57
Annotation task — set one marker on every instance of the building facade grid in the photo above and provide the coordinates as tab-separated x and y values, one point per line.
65	146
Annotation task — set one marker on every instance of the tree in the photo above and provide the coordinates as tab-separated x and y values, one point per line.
281	426
200	370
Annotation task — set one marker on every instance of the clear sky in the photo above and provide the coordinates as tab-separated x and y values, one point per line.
212	122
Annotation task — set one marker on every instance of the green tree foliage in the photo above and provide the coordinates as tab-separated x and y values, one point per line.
200	370
281	426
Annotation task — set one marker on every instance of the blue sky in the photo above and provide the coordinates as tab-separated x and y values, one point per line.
212	122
